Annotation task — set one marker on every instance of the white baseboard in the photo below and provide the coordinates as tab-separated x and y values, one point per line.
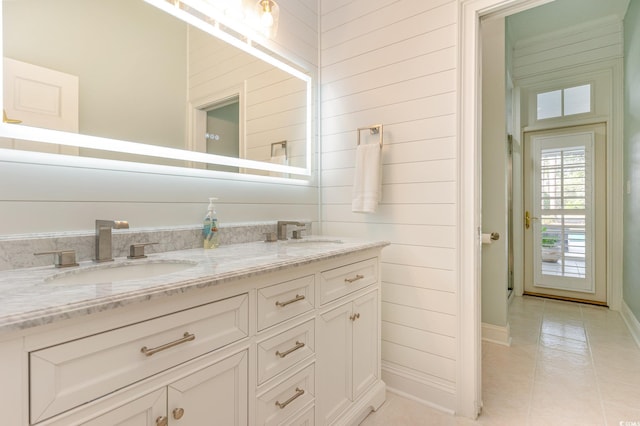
632	322
418	387
500	335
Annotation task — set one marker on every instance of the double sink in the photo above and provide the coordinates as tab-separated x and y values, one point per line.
125	270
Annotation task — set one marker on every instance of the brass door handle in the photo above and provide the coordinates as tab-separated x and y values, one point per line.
527	219
8	120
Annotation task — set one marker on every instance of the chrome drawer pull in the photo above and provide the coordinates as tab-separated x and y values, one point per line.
299	393
288	302
354	279
187	337
298	345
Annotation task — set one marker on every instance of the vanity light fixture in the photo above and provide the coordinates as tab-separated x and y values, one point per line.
269	13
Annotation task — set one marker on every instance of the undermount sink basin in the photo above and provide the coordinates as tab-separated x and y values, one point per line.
118	272
314	241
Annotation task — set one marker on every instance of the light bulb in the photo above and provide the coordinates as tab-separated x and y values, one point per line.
266	20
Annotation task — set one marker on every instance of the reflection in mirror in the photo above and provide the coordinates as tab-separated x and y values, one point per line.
126	70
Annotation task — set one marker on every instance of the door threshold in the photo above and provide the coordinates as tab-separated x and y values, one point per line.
567	299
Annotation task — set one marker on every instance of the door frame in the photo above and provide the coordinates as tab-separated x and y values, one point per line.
599	214
469	372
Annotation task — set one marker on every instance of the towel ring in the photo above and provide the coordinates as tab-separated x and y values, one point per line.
376	129
283	145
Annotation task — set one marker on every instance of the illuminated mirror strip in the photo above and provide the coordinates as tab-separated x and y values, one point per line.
14	131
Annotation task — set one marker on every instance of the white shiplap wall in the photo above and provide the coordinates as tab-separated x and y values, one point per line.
275	108
63	196
589	43
394	62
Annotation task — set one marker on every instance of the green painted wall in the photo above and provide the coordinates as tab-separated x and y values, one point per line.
631	286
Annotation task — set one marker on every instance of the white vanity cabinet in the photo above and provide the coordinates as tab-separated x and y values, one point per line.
217	394
295	345
349	343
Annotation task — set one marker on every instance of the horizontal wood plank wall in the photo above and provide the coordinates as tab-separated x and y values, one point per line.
275	102
37	197
394	62
592	42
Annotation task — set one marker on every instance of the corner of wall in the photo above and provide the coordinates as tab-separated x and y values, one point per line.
631	286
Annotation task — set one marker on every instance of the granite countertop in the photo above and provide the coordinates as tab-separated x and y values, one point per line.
31	297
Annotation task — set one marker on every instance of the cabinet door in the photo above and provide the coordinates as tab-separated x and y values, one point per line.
334	359
365	343
143	411
215	395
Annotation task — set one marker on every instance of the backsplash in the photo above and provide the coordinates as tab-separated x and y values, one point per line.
17	251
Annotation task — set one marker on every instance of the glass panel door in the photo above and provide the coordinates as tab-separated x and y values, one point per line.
563	200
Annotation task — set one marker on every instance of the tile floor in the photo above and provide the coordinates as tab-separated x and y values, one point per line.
569	364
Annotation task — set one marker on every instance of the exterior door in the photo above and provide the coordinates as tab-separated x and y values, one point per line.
565	213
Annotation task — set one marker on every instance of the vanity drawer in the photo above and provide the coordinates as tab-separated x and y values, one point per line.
284	350
285	300
284	400
306	418
75	372
339	282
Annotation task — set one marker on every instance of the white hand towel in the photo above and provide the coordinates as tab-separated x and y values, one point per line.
279	159
367	184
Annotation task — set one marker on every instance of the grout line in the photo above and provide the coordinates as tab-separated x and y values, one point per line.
535	364
595	372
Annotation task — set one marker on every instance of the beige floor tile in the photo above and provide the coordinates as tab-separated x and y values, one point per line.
621	416
561	400
619	394
569	364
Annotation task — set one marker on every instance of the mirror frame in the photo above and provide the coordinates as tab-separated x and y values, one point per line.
239	36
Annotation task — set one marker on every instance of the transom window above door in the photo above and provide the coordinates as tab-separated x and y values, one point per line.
564	102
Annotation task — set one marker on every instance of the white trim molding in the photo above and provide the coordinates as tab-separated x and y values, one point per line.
468	385
500	335
632	322
434	394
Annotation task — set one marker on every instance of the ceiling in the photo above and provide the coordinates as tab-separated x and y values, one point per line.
561	14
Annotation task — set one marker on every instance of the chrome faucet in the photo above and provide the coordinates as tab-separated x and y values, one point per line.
282	228
103	238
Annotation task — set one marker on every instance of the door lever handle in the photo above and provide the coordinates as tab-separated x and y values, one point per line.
527	219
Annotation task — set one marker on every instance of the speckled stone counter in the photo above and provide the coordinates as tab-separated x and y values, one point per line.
32	297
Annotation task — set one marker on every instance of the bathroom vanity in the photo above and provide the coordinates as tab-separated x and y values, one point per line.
282	333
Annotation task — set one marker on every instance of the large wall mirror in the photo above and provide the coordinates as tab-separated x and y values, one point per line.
153	81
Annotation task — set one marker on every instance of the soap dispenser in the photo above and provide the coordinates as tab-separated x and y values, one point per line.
210	226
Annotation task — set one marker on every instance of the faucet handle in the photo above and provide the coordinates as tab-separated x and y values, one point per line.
136	251
62	259
297	234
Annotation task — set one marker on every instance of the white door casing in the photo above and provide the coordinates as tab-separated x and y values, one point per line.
565	196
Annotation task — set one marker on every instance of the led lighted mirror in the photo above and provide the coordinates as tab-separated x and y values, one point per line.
154	81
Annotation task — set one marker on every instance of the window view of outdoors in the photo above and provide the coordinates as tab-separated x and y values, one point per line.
563	211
